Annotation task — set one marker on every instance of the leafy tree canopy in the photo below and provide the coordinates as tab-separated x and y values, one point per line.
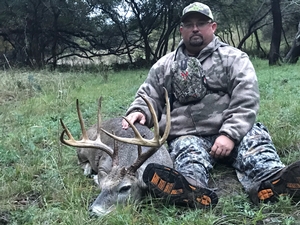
37	33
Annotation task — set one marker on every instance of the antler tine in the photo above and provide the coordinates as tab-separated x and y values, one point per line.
65	131
168	118
85	142
115	159
99	119
138	139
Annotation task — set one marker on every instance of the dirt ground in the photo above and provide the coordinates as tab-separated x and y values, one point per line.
224	181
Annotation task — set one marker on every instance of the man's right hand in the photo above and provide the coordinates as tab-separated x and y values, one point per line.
134	117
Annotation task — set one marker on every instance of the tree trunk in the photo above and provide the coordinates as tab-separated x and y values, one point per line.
276	34
294	53
258	45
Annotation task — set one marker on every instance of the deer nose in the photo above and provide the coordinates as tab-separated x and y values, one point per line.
92	214
98	211
91	209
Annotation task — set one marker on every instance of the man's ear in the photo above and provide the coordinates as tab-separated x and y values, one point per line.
214	26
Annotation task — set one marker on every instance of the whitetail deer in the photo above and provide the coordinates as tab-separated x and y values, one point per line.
116	159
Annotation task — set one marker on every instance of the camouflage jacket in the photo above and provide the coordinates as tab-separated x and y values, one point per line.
230	106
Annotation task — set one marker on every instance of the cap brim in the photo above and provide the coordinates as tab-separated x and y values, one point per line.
192	12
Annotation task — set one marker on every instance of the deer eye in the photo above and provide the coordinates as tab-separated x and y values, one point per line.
124	188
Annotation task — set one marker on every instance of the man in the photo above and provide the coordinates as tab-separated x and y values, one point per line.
214	97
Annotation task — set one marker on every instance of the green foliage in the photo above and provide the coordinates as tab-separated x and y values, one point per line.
41	183
53	32
279	109
40	32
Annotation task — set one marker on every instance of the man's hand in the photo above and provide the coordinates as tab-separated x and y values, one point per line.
222	147
134	117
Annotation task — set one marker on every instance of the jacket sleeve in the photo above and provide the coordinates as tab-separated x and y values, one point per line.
241	114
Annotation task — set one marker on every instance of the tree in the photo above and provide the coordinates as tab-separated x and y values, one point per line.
239	20
145	26
43	31
274	54
294	53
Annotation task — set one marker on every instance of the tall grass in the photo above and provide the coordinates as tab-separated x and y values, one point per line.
41	183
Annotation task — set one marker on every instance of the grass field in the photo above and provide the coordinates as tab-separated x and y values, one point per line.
41	183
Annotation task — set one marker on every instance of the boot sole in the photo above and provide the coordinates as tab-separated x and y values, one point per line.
168	184
286	183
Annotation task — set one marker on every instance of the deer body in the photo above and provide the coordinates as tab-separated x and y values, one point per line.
119	158
115	184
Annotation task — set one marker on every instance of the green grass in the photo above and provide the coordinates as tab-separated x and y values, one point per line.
41	183
280	109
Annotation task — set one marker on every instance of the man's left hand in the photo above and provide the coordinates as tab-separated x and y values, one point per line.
222	147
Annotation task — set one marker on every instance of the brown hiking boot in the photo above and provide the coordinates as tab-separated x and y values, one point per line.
167	183
284	183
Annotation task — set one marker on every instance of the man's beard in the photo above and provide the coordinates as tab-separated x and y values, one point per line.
196	42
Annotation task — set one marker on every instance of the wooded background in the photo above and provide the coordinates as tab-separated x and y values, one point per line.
41	33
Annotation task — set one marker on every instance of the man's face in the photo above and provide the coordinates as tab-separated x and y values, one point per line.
197	31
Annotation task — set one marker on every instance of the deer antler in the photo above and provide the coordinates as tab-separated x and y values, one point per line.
139	140
155	143
85	142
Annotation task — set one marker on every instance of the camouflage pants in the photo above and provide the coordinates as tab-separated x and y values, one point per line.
254	158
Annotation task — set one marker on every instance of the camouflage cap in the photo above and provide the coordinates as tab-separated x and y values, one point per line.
197	7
